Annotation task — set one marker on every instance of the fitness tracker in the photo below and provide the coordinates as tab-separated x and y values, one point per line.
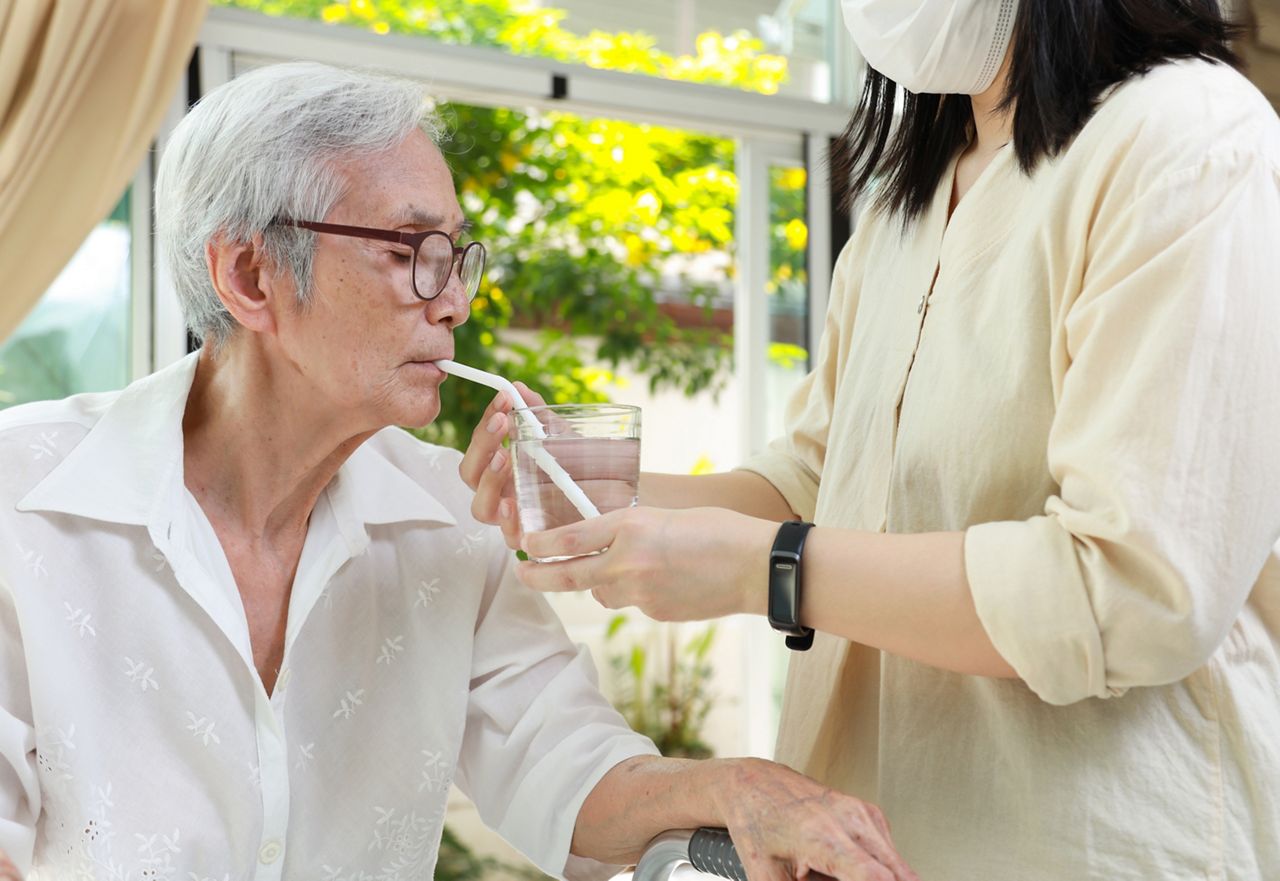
785	584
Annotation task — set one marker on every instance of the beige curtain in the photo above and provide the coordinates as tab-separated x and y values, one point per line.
83	87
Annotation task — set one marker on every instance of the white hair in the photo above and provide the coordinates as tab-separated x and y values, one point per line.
262	147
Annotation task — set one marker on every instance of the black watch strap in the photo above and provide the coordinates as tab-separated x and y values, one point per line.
785	583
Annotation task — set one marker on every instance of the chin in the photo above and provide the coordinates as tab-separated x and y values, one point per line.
419	416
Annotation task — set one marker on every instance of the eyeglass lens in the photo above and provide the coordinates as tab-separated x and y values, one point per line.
435	263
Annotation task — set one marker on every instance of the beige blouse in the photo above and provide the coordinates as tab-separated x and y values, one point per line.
1091	391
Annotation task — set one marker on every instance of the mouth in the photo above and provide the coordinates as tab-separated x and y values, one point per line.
426	367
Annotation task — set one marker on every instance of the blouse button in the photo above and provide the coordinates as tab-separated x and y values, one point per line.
270	852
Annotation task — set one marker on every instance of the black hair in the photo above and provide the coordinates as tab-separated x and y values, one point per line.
1065	53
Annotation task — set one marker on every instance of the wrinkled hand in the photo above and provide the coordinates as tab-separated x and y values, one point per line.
486	466
674	565
786	826
8	871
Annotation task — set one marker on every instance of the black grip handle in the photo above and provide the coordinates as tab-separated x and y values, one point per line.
712	850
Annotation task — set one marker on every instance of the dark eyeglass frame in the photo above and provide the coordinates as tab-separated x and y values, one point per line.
412	240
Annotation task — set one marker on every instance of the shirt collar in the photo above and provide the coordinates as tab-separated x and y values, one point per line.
125	468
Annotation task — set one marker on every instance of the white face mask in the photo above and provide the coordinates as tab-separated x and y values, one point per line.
933	46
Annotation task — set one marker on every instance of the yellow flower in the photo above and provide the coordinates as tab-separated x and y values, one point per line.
797	234
636	250
648	207
793	179
335	13
381	27
704	465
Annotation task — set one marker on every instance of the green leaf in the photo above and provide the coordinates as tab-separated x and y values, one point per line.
615	624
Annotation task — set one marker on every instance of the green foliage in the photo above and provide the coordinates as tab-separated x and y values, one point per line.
663	687
593	226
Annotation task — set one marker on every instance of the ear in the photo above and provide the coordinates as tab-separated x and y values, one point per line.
248	284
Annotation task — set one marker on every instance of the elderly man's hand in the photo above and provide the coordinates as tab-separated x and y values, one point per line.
486	467
786	826
8	871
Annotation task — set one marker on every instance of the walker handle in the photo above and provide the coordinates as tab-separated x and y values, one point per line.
708	850
712	851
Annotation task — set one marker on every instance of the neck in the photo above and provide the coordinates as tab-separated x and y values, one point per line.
992	127
258	450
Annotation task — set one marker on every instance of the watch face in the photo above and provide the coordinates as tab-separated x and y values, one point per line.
782	594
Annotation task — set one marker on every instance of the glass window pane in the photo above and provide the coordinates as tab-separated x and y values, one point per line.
787	290
77	337
765	46
610	259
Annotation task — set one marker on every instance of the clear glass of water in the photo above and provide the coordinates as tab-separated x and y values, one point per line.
597	444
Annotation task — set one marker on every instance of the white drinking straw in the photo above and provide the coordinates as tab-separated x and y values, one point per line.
544	459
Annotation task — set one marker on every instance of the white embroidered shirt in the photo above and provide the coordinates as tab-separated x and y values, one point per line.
136	738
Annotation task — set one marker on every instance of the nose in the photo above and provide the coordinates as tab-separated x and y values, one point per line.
451	306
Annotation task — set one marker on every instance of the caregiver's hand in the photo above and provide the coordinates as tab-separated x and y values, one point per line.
486	466
786	826
674	565
8	871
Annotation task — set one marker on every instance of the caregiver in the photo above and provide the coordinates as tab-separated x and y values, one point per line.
1041	447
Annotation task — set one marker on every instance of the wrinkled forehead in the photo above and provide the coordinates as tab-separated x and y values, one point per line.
407	185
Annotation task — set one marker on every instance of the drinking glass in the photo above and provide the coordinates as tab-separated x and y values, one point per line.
597	444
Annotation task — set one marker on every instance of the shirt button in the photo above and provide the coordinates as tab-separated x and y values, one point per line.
283	681
270	852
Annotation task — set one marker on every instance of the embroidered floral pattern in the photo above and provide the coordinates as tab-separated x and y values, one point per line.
156	854
44	445
202	728
427	592
79	620
51	754
33	562
409	842
391	648
470	543
347	706
437	772
140	674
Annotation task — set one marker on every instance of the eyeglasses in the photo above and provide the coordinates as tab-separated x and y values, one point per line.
434	255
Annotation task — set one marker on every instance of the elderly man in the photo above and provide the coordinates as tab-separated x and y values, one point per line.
247	629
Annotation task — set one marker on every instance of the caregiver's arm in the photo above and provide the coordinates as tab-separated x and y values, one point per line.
743	491
905	594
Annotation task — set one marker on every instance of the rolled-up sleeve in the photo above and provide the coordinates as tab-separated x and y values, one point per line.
793	462
539	734
1165	445
19	786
